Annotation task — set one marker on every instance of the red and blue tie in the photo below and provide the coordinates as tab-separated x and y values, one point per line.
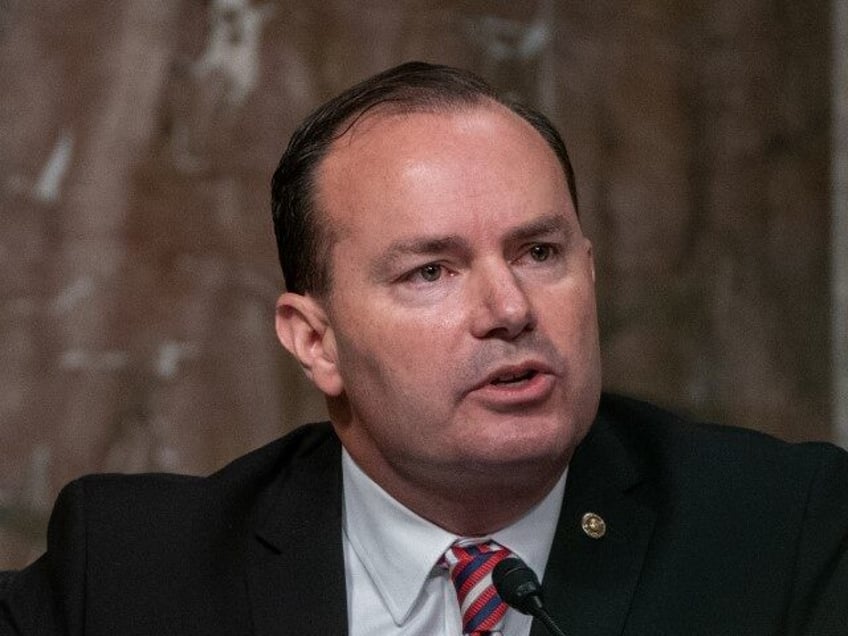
470	563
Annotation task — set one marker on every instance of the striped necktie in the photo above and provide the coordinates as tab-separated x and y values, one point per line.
470	563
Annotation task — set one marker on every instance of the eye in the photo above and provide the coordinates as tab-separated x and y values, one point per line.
541	252
430	272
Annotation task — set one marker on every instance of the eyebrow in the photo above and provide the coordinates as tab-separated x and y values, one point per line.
543	226
417	247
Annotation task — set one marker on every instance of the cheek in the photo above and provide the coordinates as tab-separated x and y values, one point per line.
402	336
373	354
573	324
589	350
395	369
570	307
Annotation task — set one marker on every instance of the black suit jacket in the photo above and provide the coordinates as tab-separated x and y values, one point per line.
710	530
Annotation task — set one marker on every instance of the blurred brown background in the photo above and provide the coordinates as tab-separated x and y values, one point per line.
137	266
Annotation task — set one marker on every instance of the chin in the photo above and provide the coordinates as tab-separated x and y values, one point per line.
534	452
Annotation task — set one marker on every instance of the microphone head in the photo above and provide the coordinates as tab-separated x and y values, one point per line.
518	585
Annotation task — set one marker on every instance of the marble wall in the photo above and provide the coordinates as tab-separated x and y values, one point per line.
137	268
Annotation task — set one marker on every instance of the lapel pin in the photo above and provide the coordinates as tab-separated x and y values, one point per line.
593	525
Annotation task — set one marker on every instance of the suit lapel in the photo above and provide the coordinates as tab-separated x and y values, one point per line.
296	580
589	582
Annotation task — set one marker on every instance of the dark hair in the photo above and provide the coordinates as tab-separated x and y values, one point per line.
303	241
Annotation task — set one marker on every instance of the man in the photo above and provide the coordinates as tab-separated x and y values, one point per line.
440	293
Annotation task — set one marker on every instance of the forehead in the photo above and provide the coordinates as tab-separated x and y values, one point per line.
386	133
395	168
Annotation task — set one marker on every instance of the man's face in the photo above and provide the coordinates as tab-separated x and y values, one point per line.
462	312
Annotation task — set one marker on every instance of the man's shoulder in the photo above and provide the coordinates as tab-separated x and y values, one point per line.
119	545
301	447
636	419
169	500
678	450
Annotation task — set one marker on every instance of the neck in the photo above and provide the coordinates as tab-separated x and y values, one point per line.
482	511
464	498
467	502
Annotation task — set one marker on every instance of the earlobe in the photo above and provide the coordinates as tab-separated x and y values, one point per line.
304	330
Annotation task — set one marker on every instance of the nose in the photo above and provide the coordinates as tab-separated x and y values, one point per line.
501	305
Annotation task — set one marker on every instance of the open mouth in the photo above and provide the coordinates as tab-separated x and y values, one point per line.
515	378
518	386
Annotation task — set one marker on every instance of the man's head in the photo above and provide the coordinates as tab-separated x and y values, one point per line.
304	239
457	340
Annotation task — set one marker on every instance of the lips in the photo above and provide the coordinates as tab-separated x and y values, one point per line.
514	374
515	388
512	378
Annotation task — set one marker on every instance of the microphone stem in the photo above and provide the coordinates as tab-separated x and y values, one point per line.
548	622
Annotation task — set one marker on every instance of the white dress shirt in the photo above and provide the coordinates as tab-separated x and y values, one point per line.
394	582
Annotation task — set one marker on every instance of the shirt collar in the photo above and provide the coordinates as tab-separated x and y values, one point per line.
399	549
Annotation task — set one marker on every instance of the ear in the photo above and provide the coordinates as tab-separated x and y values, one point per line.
303	329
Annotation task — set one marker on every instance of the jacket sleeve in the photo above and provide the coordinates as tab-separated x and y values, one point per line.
47	598
820	604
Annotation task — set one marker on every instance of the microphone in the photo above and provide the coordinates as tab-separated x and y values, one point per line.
519	588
